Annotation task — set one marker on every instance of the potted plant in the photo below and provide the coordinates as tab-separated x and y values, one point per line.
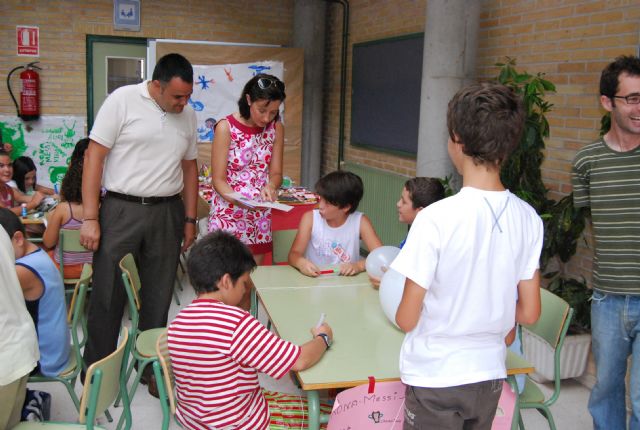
563	225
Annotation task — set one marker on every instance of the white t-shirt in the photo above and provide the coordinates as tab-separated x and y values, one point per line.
330	246
469	252
19	352
146	145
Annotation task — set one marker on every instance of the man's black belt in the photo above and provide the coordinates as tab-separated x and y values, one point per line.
142	200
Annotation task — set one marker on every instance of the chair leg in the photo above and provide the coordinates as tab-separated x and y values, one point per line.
136	381
520	422
546	412
128	375
69	386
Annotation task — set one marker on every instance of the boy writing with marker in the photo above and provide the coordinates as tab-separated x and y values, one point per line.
465	259
217	349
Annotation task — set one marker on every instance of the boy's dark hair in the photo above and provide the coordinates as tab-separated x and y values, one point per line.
173	66
22	166
71	189
275	91
488	120
215	255
3	152
424	191
609	78
341	188
10	222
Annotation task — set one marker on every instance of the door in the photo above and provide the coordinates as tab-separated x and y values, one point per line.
111	63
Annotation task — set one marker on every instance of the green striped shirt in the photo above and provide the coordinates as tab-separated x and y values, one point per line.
609	183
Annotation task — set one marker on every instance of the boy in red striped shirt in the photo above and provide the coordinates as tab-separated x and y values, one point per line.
217	349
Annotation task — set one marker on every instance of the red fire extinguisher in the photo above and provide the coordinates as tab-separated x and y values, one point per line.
29	109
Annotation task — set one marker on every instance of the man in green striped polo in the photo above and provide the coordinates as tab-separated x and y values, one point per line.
606	178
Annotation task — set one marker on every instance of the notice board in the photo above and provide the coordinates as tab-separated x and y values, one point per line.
386	91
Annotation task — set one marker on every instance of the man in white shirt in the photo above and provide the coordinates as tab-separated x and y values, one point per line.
143	152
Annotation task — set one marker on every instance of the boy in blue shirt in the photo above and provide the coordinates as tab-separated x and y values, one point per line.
43	292
465	259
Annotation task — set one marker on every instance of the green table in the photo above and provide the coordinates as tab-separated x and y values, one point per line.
365	342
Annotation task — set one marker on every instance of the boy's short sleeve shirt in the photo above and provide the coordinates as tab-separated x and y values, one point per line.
216	352
470	264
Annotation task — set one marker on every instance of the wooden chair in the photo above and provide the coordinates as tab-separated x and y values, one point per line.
104	380
76	319
551	327
166	380
142	344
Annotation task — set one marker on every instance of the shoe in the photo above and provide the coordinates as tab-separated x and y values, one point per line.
153	387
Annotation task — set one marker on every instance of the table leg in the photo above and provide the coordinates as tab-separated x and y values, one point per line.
313	403
511	379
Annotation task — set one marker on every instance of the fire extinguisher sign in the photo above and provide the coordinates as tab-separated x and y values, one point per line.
28	41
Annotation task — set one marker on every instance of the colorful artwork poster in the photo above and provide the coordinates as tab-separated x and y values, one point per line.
49	142
216	90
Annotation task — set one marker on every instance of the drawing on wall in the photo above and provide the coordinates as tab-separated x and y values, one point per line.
49	143
217	88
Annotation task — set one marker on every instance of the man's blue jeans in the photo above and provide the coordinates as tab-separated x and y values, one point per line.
615	329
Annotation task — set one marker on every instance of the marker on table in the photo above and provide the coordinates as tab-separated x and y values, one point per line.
327	272
55	188
321	320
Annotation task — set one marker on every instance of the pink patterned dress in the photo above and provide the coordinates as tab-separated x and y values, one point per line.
247	173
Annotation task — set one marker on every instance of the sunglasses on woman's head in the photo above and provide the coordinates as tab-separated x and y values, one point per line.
266	83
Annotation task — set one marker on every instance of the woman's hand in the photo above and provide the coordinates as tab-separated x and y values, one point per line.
269	193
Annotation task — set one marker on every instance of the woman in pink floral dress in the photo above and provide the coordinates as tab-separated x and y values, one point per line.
247	158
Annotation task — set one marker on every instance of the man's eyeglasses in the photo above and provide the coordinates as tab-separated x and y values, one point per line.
633	99
266	83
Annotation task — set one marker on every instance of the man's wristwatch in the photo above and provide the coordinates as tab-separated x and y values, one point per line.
326	339
191	220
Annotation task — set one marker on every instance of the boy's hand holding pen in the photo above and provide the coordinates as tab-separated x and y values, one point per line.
322	327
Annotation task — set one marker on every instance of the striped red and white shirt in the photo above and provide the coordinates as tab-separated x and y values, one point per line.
216	352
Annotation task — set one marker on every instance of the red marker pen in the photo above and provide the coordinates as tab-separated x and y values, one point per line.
327	272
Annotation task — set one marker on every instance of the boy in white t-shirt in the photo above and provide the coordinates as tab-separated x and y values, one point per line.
328	238
464	260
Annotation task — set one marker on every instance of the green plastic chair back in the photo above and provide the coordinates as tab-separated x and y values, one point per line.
104	380
551	327
282	241
68	241
165	379
131	278
554	317
102	383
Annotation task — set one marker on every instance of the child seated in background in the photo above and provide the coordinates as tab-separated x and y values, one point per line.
217	349
24	177
44	295
68	215
417	193
12	198
330	235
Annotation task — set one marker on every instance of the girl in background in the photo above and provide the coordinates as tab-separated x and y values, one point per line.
24	176
12	198
68	215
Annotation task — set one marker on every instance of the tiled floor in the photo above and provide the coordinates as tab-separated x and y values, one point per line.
570	411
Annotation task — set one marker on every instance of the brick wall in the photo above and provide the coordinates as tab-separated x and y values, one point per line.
65	23
568	40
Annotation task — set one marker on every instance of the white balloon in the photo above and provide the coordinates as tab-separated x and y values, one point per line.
391	288
380	257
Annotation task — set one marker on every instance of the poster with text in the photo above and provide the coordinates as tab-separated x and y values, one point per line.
216	90
48	141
